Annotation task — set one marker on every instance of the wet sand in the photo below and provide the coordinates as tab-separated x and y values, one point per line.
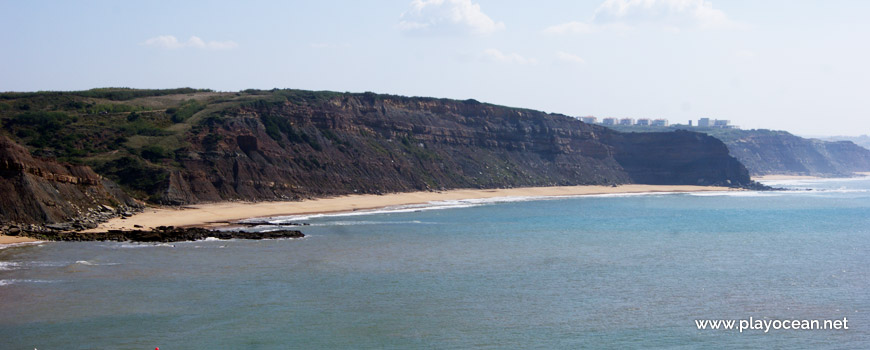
15	239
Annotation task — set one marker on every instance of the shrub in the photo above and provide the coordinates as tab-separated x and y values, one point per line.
186	110
154	153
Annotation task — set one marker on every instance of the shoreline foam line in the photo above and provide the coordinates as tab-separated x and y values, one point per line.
9	244
279	220
227	213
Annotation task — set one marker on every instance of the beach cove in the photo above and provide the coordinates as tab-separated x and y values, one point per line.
632	270
227	213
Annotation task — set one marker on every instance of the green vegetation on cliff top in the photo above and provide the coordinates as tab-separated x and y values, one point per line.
135	137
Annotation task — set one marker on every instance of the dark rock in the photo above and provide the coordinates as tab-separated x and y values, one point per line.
167	234
60	227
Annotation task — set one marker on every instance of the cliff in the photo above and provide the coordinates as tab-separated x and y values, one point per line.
372	144
778	152
862	140
36	191
679	157
766	152
291	144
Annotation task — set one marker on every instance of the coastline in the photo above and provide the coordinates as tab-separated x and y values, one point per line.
777	177
4	239
225	213
784	177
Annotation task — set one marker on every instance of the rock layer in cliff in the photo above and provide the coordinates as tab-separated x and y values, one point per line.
36	191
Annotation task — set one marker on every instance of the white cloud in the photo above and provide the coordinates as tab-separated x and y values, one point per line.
569	58
678	13
498	56
447	16
744	54
171	42
575	27
571	28
163	41
671	15
329	46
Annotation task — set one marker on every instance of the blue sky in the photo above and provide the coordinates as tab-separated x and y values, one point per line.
800	66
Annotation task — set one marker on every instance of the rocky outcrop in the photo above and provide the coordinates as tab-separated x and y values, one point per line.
43	195
166	234
679	157
778	152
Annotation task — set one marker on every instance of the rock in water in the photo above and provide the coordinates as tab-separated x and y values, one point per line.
167	234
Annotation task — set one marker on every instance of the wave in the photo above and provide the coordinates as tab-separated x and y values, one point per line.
20	244
369	222
437	205
738	194
11	265
803	182
279	220
8	265
16	281
434	205
137	245
88	263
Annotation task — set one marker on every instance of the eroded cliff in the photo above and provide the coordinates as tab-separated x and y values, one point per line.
373	144
292	144
36	191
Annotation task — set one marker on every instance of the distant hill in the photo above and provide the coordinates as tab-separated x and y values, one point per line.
186	146
863	140
766	152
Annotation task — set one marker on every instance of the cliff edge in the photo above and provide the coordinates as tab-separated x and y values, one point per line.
201	146
36	191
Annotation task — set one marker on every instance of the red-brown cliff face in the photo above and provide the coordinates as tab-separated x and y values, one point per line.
36	191
291	144
361	143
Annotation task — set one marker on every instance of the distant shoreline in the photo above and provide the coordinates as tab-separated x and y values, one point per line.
226	213
785	177
799	177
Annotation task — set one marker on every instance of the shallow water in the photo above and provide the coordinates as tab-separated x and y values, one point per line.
585	272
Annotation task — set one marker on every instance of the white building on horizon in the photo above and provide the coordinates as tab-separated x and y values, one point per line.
589	119
660	122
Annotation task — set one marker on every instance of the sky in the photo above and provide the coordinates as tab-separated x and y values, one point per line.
792	65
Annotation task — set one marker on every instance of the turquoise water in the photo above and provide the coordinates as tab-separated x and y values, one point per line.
586	272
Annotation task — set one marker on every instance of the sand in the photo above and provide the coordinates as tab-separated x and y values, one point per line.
224	213
15	239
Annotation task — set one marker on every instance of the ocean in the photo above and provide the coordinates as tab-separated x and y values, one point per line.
606	271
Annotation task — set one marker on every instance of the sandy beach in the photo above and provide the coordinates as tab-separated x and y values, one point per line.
224	213
14	239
